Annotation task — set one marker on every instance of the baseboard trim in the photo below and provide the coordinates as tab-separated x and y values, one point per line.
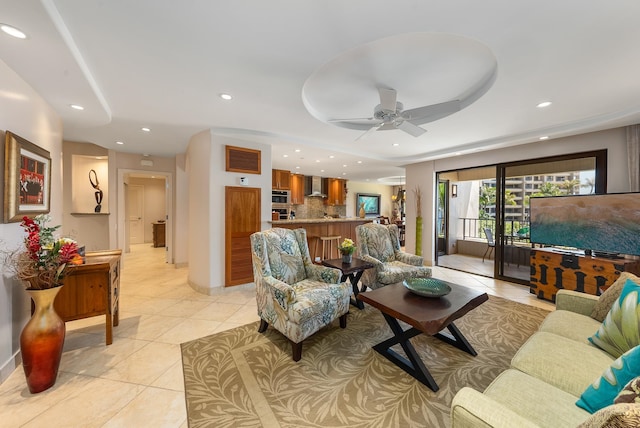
10	366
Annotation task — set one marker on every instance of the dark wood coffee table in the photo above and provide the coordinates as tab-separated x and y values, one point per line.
426	315
353	271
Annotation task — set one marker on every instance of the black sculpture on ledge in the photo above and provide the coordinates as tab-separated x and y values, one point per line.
98	192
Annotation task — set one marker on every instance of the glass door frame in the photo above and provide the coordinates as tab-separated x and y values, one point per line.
501	168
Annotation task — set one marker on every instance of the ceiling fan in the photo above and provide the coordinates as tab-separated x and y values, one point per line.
390	115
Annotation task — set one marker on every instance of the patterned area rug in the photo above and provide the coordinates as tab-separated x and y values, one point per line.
241	378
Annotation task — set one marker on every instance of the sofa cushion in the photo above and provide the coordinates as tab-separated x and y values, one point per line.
570	325
617	416
567	364
620	330
550	407
605	388
611	294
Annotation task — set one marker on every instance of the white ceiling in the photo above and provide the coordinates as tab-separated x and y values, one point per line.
161	64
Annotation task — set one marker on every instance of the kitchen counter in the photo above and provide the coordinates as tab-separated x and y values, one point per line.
321	220
317	227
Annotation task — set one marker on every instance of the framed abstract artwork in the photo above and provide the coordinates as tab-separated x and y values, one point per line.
27	179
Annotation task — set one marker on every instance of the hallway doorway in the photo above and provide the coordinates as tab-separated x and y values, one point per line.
144	198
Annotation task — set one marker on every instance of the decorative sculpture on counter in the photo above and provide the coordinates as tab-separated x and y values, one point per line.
98	192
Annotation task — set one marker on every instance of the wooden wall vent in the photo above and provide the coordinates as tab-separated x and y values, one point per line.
240	159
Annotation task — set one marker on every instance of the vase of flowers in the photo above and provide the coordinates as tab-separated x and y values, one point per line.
41	267
346	250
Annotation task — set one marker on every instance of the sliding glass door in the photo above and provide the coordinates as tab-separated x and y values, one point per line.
581	173
483	226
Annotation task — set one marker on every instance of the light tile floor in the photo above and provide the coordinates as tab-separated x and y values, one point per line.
137	381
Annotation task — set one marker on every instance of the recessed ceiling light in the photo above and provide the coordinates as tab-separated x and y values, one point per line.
344	173
145	129
359	161
297	167
226	97
458	153
297	150
545	137
395	144
544	104
322	170
119	142
331	156
285	156
344	166
13	31
76	107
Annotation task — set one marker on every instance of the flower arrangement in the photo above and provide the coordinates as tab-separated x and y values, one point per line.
347	247
43	262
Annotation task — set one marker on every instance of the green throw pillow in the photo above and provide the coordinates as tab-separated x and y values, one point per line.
620	330
605	389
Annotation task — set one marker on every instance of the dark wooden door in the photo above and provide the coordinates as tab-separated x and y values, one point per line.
242	218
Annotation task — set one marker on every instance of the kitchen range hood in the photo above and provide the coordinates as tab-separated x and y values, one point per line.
313	187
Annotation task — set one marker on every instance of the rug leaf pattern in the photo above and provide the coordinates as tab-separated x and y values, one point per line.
241	378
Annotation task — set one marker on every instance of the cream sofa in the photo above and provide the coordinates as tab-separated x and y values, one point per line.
547	375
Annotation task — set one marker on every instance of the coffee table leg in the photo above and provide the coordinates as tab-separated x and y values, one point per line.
415	367
354	279
456	339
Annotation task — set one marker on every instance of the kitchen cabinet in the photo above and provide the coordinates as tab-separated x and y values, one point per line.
297	189
336	192
280	179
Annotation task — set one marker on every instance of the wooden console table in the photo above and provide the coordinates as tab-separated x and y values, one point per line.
159	233
552	270
92	289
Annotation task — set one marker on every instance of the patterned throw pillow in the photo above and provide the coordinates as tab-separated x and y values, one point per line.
611	294
620	330
630	393
617	416
605	389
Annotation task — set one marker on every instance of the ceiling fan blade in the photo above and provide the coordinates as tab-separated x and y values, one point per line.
369	131
388	98
410	128
438	110
357	119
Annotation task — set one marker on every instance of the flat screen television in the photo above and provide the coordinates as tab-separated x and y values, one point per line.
606	224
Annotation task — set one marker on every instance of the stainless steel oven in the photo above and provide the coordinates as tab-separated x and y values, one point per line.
280	196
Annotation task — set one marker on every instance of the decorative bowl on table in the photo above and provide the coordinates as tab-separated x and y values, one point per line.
427	287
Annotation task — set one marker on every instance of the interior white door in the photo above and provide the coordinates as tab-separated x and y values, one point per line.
136	210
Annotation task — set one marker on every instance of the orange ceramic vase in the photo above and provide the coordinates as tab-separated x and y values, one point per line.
42	340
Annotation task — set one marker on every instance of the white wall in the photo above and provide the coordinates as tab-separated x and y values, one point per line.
205	166
90	230
25	113
423	174
181	216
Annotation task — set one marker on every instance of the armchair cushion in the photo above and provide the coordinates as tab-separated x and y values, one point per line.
378	244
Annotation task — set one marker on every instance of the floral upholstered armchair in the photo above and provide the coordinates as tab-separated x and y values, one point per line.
379	244
294	295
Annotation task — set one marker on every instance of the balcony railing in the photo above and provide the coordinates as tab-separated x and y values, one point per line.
473	228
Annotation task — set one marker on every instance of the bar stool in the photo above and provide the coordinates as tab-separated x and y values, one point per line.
329	245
